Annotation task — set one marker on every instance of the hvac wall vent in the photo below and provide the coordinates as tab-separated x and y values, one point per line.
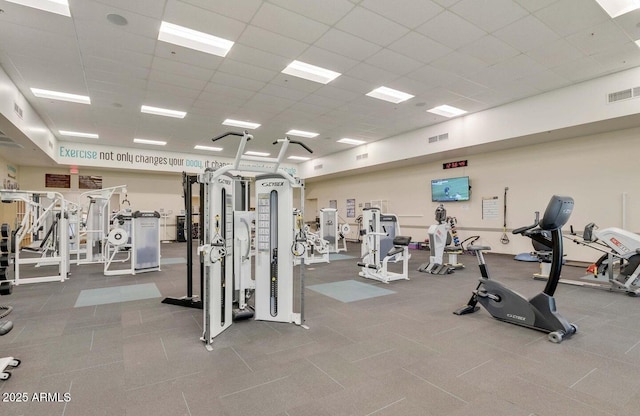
623	95
17	109
8	141
362	156
438	138
316	167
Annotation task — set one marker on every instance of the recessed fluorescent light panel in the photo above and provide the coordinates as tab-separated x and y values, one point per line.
241	124
310	72
446	111
52	6
78	134
209	148
617	8
61	96
153	142
162	111
302	133
252	153
389	94
298	158
192	39
351	141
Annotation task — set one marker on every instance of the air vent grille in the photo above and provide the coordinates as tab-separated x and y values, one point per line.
623	94
443	136
316	167
362	156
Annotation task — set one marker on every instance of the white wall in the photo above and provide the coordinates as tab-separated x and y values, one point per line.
594	170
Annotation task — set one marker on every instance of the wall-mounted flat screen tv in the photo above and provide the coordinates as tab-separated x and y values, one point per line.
450	189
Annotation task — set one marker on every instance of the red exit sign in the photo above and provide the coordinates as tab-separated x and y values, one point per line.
458	164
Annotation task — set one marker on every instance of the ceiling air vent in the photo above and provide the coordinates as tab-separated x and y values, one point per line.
362	156
433	139
316	167
623	95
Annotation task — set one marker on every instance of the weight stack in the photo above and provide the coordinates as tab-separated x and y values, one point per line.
5	258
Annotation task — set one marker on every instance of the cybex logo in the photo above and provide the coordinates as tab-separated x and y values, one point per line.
268	184
518	317
225	181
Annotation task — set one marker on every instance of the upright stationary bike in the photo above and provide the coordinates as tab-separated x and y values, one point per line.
539	312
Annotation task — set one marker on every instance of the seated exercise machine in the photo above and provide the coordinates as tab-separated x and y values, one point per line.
332	231
441	235
41	239
382	244
539	312
5	289
275	243
310	246
618	269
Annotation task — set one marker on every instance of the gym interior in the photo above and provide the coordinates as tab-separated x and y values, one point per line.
348	207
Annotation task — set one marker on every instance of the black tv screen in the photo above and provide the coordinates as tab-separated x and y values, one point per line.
450	189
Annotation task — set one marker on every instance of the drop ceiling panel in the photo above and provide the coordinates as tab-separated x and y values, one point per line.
202	20
150	8
110	65
431	76
272	42
566	17
259	58
459	64
331	91
166	99
451	30
300	84
286	23
181	69
371	26
465	88
246	70
519	36
329	60
347	44
374	76
240	10
620	56
230	80
326	11
535	5
188	86
187	56
93	16
420	47
410	13
599	38
545	81
555	53
283	92
394	62
89	37
486	18
490	50
212	91
120	55
31	18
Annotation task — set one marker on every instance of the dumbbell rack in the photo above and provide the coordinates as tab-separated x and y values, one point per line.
5	289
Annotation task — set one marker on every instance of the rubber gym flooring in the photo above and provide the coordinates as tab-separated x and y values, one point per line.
397	353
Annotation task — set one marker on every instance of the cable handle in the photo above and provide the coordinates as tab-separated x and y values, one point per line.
521	230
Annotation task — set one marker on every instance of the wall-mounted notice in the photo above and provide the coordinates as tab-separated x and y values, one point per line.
490	208
351	208
333	203
53	180
89	182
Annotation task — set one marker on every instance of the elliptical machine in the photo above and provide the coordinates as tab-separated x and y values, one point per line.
539	312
